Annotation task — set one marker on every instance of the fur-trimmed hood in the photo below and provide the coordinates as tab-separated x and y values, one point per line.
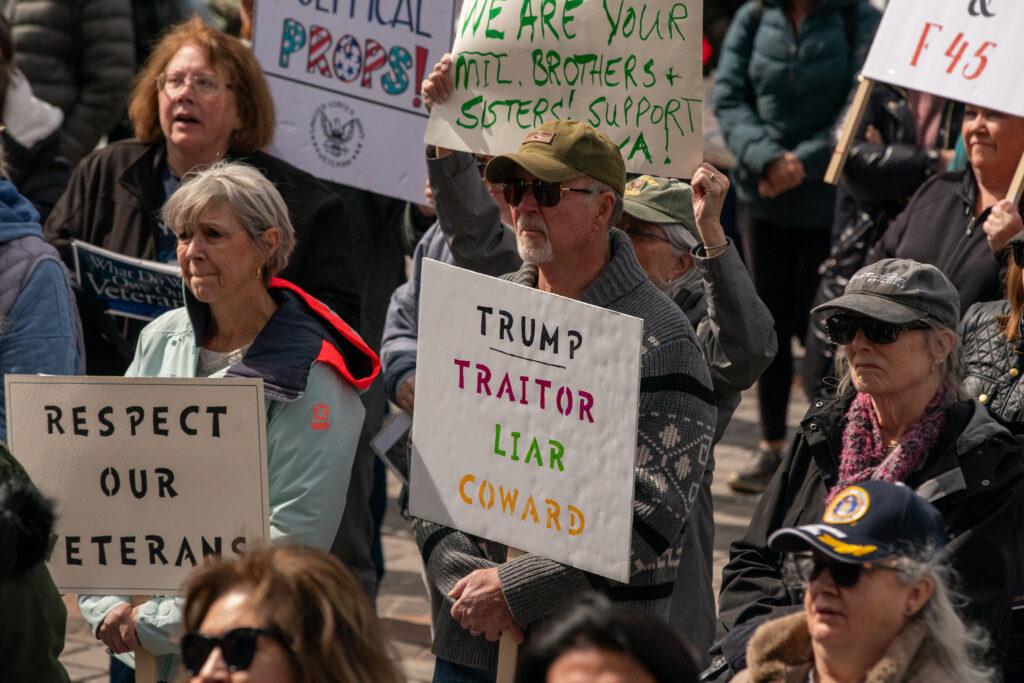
780	652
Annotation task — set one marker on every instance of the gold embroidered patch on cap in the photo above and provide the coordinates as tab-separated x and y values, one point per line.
844	548
541	136
849	505
637	185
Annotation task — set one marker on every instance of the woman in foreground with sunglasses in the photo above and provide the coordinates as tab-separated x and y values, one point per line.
291	614
898	416
878	604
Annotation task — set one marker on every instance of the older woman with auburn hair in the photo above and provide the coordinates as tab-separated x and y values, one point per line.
899	416
292	614
241	320
200	98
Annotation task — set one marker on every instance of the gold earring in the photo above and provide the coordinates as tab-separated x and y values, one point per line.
259	273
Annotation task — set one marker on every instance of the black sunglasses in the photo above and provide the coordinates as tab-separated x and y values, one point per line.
804	568
842	328
547	194
1017	249
237	647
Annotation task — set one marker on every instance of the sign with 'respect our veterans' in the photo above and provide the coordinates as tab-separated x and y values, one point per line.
149	475
630	68
345	77
131	287
964	50
526	415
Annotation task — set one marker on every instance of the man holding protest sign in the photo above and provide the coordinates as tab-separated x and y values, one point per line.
565	187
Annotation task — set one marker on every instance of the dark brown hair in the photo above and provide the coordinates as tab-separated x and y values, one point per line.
255	106
308	596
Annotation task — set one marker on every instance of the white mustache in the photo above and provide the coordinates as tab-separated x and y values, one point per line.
532	222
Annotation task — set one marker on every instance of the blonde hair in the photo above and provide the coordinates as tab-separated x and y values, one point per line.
317	604
1015	295
245	77
254	200
959	647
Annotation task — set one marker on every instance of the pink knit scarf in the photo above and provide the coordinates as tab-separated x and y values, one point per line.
864	454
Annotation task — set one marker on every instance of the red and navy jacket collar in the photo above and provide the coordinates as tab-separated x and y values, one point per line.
301	332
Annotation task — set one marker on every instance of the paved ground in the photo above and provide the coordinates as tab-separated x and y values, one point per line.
403	604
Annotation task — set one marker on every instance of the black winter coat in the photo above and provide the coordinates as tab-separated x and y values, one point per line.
992	365
40	172
114	200
78	55
939	227
975	477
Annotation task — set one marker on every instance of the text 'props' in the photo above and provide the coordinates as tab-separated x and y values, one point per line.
345	77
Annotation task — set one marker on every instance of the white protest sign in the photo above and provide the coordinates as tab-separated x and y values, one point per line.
526	415
631	68
965	50
150	475
345	77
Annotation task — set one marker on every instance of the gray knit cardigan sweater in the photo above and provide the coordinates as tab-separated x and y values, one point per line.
675	433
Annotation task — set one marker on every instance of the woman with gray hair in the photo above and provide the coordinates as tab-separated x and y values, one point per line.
898	416
240	320
878	605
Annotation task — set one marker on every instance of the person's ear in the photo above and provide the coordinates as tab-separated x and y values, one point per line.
946	344
271	238
681	265
918	596
606	204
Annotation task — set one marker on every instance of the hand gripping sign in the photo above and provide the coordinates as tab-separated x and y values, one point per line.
964	50
526	416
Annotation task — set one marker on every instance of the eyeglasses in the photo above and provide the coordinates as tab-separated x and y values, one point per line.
638	232
1018	253
547	194
174	84
803	568
842	328
237	647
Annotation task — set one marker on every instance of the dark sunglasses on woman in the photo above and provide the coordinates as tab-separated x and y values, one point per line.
237	647
547	194
842	328
802	568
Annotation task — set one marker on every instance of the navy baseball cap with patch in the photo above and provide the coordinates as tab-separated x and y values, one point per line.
867	522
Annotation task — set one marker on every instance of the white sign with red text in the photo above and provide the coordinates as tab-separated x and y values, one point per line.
965	50
526	414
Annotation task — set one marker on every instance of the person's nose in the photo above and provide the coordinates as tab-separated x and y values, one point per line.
215	669
860	341
195	248
529	201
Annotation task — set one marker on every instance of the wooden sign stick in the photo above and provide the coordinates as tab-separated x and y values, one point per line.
850	126
1017	185
145	663
508	649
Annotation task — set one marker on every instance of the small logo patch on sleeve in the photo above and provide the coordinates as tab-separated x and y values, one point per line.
321	421
542	136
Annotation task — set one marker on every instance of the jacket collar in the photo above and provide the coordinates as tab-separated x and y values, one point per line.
940	476
140	176
781	650
302	331
693	302
619	278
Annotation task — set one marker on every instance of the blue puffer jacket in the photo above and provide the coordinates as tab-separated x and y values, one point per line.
777	92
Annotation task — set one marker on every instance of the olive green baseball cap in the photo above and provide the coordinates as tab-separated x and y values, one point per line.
660	200
557	151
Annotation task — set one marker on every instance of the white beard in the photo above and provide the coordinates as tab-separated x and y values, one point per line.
529	250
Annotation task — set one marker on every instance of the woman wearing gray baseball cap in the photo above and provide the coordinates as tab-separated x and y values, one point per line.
877	597
898	416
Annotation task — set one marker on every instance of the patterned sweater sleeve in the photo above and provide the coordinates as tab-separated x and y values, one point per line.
674	437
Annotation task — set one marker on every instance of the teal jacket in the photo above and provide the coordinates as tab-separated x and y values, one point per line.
307	356
776	91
